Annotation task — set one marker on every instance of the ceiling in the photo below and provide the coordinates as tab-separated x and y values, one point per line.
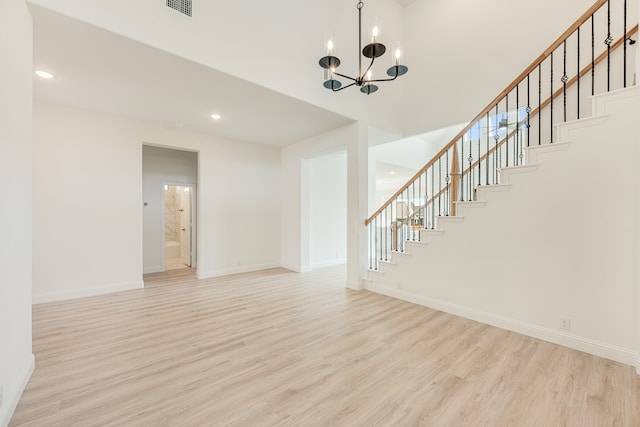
98	70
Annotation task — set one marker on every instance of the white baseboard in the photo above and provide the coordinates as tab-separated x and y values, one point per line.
329	263
356	286
12	401
236	270
587	345
86	292
153	269
296	268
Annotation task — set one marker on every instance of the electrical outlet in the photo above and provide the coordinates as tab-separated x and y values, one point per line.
565	323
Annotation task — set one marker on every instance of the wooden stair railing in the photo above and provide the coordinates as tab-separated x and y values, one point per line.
572	81
452	189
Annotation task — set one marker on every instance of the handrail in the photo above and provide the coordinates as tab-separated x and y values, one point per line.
557	93
557	43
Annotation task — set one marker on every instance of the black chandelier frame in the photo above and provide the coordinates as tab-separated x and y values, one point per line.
372	51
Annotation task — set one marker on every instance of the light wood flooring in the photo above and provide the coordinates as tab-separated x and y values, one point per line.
276	348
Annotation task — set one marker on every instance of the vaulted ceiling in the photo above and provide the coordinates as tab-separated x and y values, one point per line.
98	70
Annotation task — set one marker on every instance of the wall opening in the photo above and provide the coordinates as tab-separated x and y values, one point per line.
169	181
328	209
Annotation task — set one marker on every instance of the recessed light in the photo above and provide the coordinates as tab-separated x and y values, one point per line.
44	74
216	116
392	173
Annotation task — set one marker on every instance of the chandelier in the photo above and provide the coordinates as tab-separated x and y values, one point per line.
364	79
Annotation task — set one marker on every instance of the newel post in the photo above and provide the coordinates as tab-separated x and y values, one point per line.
455	180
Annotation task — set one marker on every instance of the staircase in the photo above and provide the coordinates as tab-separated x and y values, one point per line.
544	242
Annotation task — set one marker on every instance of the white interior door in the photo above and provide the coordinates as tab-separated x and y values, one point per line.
185	225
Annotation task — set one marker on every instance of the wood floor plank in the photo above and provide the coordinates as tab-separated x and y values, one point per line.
276	348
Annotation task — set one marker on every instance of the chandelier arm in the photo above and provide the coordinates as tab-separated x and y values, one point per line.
367	70
346	77
343	87
383	80
387	80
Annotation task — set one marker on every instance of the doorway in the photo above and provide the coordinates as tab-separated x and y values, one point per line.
178	226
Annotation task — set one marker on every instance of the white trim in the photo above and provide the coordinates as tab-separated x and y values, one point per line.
87	292
236	270
296	268
328	263
13	401
608	351
355	286
153	269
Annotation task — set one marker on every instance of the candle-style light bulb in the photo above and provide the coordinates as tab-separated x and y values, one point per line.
398	53
369	75
374	33
330	47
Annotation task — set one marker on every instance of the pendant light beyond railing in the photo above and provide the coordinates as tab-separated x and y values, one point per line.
373	50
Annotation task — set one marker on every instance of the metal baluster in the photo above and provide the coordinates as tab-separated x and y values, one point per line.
403	229
376	228
495	151
386	242
420	220
578	75
528	110
383	231
515	151
447	179
479	155
608	41
470	180
564	80
413	213
403	236
425	210
551	97
506	135
439	186
462	169
539	103
370	243
433	194
593	57
487	153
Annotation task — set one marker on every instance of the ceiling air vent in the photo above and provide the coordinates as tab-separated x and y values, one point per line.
182	6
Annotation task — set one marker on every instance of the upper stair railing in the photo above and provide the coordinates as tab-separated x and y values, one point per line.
592	56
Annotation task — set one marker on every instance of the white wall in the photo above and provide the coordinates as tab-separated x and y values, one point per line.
16	359
461	54
328	209
296	204
295	185
560	242
276	44
161	166
88	202
409	155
